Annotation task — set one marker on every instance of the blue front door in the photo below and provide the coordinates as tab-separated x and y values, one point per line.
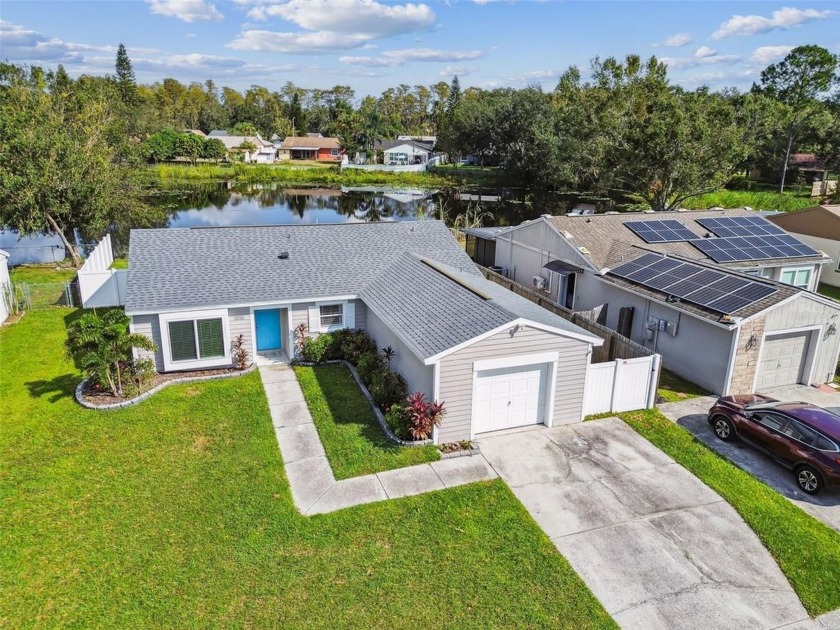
267	323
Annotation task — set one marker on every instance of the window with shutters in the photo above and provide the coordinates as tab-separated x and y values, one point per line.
196	339
332	316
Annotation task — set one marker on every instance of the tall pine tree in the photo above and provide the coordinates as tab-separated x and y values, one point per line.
126	82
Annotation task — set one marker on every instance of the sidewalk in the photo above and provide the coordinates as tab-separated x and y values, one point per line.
314	487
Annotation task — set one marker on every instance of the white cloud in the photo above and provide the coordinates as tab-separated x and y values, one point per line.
22	44
461	71
680	63
269	41
367	17
186	10
401	57
675	41
765	55
704	51
783	19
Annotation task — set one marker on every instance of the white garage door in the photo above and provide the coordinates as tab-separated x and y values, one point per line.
510	397
783	359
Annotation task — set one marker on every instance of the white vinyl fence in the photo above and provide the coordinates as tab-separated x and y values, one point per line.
622	385
99	285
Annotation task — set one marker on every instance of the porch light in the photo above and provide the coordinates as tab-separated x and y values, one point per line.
831	330
751	342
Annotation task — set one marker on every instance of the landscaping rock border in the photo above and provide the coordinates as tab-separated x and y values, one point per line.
128	403
376	412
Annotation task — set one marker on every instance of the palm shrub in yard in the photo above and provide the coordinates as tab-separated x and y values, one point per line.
102	346
415	418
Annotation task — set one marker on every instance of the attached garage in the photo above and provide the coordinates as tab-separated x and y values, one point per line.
784	359
511	396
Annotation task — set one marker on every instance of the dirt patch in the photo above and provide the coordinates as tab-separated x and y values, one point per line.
200	443
96	396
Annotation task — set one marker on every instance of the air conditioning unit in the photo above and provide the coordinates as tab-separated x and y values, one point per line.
540	282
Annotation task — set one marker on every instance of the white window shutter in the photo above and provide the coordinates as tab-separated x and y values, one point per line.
314	318
350	315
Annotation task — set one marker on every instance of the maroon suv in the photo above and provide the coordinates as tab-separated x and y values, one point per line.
803	437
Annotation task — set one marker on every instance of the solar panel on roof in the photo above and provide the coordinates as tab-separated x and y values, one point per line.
666	231
742	248
740	226
709	288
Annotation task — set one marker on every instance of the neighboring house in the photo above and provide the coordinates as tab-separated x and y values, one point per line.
809	165
313	147
404	152
729	346
263	153
495	359
481	244
818	227
5	285
197	132
432	140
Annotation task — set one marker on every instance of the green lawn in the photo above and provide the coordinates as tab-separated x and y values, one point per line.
177	513
36	274
829	291
807	550
673	388
352	437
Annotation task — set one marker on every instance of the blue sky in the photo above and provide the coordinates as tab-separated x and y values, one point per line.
374	44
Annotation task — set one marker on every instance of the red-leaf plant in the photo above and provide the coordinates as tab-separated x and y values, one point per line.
423	416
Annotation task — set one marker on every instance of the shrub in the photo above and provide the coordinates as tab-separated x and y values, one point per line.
300	338
355	345
387	388
314	349
397	421
240	352
141	373
369	363
422	416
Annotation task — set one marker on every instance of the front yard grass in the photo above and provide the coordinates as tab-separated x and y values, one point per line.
352	438
177	513
37	274
673	388
807	550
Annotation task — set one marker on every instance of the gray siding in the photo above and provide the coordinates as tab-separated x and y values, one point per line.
420	377
803	312
456	376
361	314
149	325
239	323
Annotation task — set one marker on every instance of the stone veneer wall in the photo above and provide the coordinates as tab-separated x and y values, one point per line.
746	361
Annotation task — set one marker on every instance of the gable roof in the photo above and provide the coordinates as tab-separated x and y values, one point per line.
783	291
296	142
487	233
234	142
819	221
387	145
184	268
607	239
807	162
433	307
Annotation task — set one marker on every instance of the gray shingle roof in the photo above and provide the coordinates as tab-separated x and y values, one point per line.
488	233
432	311
186	268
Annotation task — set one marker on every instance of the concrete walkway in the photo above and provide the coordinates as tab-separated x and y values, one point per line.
314	487
657	547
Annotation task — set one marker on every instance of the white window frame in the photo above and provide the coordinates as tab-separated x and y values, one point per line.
796	271
169	365
331	327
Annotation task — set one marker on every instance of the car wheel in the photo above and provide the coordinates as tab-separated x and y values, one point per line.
723	428
808	480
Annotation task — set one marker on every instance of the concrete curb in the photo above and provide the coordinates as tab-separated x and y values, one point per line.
380	418
156	389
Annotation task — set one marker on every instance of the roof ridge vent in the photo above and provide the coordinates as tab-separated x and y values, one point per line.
445	272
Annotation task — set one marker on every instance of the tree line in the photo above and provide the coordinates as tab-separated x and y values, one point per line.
69	146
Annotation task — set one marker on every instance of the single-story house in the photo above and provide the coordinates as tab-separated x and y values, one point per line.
812	167
495	359
481	244
311	147
818	227
263	153
5	285
404	152
728	345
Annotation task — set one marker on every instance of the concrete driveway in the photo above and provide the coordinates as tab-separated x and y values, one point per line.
657	547
692	415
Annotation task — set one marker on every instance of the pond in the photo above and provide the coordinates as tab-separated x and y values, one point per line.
227	204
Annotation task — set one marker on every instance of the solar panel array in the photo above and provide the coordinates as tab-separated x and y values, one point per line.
711	289
667	231
749	238
740	226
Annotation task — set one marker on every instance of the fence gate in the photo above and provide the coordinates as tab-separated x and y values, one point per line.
621	385
33	296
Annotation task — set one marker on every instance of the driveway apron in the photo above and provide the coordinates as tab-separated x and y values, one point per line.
658	547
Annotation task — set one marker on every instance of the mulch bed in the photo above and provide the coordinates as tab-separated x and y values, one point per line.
99	397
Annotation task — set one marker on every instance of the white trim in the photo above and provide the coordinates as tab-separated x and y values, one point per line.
435	397
515	361
810	357
522	323
194	364
328	298
733	353
332	327
795	270
253	318
552	385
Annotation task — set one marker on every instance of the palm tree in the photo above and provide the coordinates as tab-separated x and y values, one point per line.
102	344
